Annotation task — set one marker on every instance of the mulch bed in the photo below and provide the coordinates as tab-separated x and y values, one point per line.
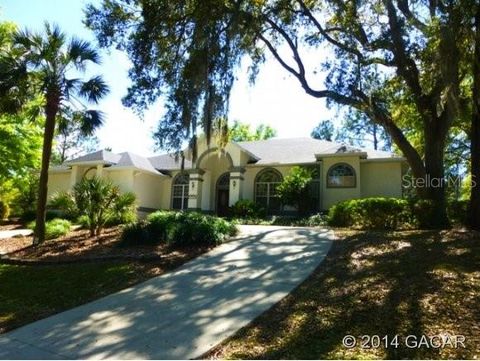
78	246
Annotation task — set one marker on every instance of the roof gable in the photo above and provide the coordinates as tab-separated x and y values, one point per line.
101	156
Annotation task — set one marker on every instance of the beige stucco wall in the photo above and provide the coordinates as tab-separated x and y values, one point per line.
381	179
330	196
58	182
165	195
214	165
148	189
122	178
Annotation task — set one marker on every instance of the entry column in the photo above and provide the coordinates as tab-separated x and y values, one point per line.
195	190
236	185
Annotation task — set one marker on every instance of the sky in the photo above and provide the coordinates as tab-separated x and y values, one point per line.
276	99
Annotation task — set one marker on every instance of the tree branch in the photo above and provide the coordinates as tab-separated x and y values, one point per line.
403	6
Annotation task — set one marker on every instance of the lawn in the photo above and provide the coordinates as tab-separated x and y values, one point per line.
398	283
32	292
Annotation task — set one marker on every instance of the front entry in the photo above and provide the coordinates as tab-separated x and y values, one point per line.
223	194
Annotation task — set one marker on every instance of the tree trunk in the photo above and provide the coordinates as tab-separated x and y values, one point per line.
51	109
375	138
474	216
435	173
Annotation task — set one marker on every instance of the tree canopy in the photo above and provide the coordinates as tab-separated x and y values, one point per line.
241	132
386	54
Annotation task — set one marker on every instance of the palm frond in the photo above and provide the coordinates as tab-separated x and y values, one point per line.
94	89
71	86
55	40
80	51
13	83
23	38
90	120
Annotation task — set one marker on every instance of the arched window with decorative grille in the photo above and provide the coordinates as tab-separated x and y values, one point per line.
266	194
341	175
180	191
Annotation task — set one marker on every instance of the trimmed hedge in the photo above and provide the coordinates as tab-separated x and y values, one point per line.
55	228
178	229
371	213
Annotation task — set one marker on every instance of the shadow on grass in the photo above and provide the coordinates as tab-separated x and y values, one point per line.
375	283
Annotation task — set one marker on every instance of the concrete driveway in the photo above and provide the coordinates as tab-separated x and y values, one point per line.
181	314
15	232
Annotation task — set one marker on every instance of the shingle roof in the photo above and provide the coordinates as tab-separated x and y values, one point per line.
133	160
168	162
271	151
98	156
300	150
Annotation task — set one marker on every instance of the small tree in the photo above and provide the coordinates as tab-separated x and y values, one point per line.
293	190
97	199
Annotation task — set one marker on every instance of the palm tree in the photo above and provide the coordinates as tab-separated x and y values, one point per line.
50	61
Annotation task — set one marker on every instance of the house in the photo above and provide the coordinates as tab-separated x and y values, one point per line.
243	170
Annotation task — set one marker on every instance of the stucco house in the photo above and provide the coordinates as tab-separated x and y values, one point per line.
243	170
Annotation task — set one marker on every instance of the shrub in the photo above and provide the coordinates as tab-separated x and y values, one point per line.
4	210
123	210
136	233
55	228
371	213
26	203
64	203
179	229
294	189
458	211
246	208
315	220
424	213
99	201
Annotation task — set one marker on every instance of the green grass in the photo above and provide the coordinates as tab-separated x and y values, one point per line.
374	283
28	293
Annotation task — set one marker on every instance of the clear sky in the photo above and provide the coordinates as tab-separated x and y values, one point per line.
276	98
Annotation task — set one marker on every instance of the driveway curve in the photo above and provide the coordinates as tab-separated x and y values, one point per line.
181	314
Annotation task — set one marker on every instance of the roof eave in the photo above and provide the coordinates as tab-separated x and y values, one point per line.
89	162
115	168
319	156
386	159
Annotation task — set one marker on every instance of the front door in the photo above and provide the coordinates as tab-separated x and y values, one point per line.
222	202
223	194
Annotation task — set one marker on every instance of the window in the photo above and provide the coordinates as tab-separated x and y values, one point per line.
341	175
266	194
180	192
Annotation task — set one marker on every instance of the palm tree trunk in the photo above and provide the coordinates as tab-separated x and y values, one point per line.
51	109
475	131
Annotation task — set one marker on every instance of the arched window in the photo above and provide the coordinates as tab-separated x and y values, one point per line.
266	193
180	191
223	181
341	175
90	173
